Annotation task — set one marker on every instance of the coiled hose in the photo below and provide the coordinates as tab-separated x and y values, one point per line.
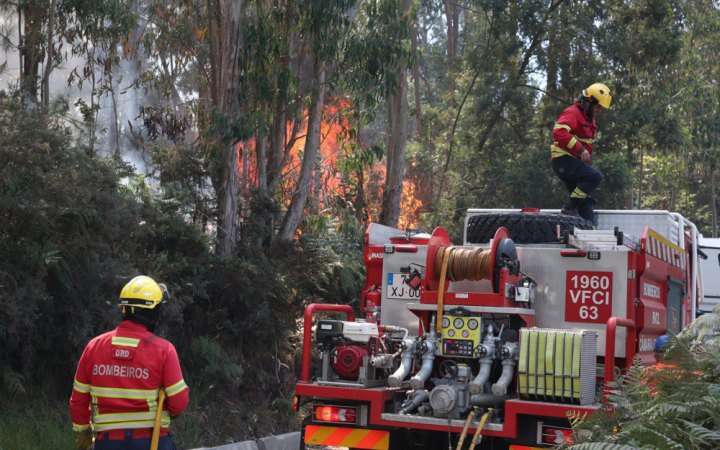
464	263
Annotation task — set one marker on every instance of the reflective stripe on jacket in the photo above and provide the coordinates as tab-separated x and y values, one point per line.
572	133
119	377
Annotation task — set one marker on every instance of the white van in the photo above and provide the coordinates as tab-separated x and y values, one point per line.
710	268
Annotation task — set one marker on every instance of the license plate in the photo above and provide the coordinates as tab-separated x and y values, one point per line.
398	287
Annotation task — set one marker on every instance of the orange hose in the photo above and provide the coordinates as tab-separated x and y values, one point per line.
477	437
446	251
464	263
465	430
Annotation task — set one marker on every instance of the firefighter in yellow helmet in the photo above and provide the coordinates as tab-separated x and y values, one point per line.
121	373
571	151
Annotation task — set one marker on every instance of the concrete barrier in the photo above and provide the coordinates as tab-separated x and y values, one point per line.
247	445
287	441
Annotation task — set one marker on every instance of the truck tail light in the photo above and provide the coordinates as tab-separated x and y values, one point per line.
336	414
556	435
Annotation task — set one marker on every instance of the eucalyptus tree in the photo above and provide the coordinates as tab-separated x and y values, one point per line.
323	24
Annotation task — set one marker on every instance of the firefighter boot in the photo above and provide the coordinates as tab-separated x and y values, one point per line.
572	207
586	210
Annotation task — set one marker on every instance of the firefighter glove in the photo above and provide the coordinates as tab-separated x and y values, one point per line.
585	156
83	440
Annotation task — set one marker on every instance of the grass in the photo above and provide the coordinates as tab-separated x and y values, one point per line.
35	425
39	424
34	422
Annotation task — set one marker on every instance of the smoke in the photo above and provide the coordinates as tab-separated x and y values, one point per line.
119	129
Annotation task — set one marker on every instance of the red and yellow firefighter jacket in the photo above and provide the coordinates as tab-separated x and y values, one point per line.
572	133
120	374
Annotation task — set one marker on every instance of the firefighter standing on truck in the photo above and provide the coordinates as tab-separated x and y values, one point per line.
571	151
121	373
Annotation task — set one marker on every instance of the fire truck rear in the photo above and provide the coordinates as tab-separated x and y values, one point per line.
498	341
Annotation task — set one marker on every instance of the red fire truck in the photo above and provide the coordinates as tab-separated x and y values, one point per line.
499	340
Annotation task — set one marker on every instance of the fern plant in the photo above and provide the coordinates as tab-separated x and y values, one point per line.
675	405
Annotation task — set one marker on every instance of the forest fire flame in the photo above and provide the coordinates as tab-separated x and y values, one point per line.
329	186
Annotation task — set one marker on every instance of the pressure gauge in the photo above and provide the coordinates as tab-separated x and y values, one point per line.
458	323
451	333
472	324
446	322
465	334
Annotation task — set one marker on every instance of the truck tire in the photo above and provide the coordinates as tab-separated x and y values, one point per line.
524	228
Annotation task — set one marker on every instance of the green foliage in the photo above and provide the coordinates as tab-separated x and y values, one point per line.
617	180
77	227
212	365
380	39
671	407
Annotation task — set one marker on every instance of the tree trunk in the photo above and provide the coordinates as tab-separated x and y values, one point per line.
452	15
631	162
245	181
225	45
640	177
115	129
713	194
31	49
262	162
278	132
229	207
554	34
419	132
278	135
395	164
92	126
312	143
49	64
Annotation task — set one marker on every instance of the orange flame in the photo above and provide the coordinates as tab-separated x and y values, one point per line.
327	184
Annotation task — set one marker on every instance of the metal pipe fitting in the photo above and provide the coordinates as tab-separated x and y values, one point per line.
487	400
418	398
428	357
396	379
509	354
487	353
476	385
382	360
508	370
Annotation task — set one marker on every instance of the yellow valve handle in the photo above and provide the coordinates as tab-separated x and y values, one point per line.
155	441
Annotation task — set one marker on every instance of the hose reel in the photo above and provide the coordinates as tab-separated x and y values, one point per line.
476	264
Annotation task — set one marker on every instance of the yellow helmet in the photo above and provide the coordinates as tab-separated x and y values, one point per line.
142	292
599	92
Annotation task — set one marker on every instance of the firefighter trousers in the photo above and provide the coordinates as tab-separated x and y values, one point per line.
581	180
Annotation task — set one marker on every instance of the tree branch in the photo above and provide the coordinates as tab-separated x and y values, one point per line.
554	97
